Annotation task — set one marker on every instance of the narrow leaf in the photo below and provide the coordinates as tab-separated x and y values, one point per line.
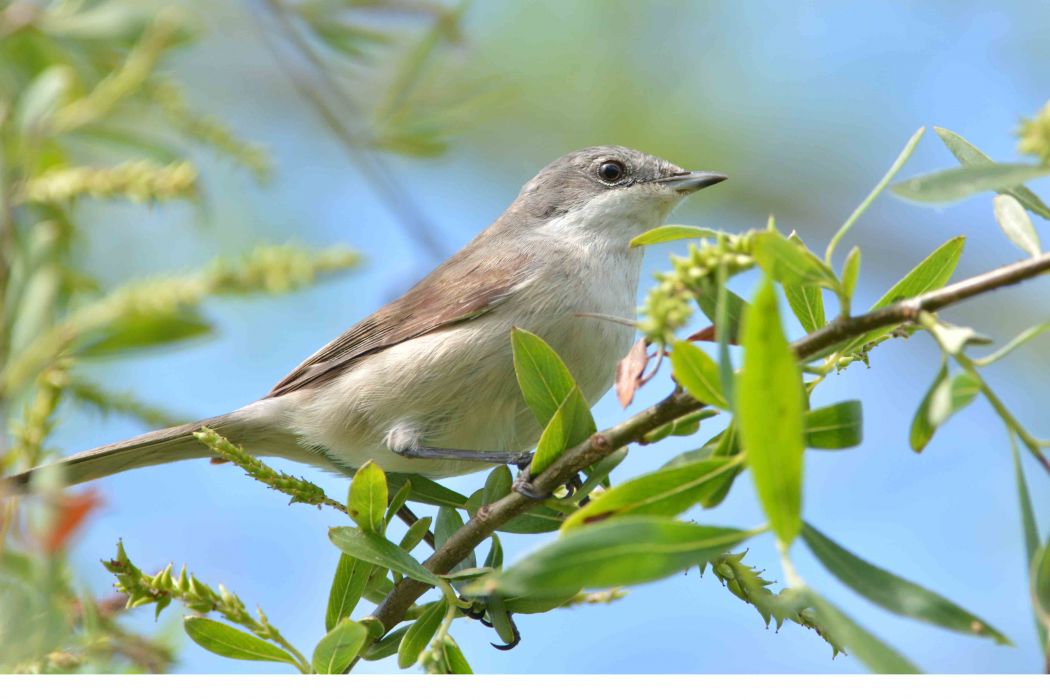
869	650
664	492
968	154
834	427
930	274
944	398
387	646
955	184
570	425
1014	222
851	271
697	373
544	379
448	522
789	262
770	403
415	534
221	639
376	550
339	648
807	302
420	634
143	331
348	585
457	663
735	309
1028	527
892	592
619	552
368	498
426	490
663	234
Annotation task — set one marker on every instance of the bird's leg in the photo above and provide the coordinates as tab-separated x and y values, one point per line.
518	459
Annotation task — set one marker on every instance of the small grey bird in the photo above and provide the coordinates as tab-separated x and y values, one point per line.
426	384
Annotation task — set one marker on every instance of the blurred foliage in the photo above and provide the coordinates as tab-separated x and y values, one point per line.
87	110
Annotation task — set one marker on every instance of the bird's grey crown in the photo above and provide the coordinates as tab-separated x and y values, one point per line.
572	180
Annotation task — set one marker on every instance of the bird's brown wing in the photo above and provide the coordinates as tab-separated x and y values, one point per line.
459	290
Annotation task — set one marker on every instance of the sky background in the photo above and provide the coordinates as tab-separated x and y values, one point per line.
804	105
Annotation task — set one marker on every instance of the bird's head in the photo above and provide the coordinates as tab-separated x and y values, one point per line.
610	190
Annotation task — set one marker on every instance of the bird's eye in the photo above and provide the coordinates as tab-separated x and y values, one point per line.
611	171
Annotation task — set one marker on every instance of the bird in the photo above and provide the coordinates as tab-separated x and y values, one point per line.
426	384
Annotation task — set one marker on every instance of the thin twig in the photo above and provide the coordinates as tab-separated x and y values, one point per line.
490	517
405	514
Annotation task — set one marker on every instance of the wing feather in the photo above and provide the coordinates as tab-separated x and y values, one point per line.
466	286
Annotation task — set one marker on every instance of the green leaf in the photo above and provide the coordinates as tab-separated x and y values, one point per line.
142	331
968	154
663	234
221	639
426	490
494	560
448	522
415	533
944	398
834	427
337	649
387	646
348	585
1041	585
539	519
807	302
544	379
851	271
457	663
618	552
420	634
498	484
930	274
789	262
663	492
892	592
869	650
398	501
570	425
770	404
368	498
698	374
736	308
1014	222
955	184
376	550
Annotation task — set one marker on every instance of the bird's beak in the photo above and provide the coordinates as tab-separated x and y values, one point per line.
692	181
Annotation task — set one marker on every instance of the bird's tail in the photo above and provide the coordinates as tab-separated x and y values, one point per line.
157	447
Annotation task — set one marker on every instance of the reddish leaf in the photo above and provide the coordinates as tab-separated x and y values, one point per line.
629	372
72	509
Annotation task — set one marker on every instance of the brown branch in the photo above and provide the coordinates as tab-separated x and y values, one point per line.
488	518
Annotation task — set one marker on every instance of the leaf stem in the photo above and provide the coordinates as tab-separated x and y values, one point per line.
905	154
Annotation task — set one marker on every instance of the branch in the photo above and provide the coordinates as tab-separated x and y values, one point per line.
490	517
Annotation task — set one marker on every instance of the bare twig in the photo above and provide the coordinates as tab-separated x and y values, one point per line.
489	517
